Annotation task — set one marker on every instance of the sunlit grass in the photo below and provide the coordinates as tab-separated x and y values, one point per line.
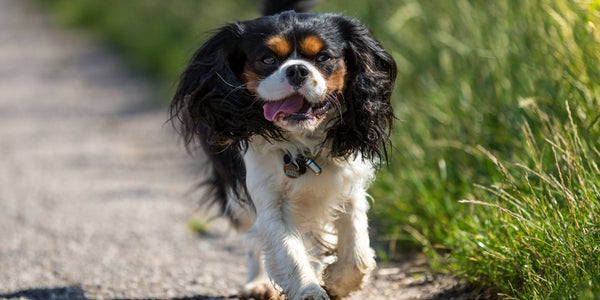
538	235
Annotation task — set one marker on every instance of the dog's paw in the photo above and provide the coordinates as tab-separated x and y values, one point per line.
260	290
313	292
341	279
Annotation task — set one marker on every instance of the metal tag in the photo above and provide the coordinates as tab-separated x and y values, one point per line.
313	166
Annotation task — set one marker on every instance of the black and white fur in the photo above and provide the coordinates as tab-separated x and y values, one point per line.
308	236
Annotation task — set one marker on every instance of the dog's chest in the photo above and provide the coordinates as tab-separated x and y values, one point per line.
308	195
293	179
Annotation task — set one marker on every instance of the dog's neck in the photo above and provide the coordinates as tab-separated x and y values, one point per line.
308	144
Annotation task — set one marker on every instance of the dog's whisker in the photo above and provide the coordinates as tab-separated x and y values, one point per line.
225	81
337	106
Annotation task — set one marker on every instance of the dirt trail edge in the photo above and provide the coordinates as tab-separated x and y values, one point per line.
93	184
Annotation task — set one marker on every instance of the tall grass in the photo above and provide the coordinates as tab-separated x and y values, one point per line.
497	103
468	72
538	236
473	74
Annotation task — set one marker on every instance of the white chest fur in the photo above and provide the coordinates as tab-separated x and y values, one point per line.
309	198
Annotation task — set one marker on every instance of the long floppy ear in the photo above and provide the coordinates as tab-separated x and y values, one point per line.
368	118
212	109
211	102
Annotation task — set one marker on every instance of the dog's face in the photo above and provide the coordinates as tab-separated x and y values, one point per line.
291	72
298	75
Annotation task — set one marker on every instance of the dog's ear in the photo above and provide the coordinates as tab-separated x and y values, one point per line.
368	118
211	102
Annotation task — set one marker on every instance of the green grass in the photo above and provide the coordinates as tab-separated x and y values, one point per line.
473	74
544	238
494	171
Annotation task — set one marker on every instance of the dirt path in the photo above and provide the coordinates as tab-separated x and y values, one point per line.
92	183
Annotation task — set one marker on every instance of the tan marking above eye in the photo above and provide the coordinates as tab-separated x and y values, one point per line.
279	45
311	45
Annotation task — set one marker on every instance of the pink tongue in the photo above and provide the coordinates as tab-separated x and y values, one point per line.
288	105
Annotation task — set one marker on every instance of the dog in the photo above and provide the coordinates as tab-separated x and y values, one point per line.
293	110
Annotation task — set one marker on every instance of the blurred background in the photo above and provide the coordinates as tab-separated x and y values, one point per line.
494	169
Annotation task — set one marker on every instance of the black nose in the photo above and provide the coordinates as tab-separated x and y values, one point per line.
296	75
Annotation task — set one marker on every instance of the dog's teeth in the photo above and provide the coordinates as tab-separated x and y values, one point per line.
309	110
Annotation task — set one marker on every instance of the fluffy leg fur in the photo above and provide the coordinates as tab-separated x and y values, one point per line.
288	263
258	285
355	259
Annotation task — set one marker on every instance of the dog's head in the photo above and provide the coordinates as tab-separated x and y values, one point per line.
290	73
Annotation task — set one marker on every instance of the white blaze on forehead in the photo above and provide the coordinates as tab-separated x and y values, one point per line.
276	86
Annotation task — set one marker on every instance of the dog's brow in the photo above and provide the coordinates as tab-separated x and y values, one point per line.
311	45
279	45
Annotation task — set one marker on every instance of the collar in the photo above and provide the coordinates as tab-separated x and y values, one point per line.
297	166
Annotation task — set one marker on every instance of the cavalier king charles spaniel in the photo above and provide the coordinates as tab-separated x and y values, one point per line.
293	110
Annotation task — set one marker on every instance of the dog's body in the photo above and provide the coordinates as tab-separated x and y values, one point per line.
312	209
293	110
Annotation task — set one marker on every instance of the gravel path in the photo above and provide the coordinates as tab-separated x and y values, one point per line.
93	183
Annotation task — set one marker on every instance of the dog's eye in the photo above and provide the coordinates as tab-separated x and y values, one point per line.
269	60
323	57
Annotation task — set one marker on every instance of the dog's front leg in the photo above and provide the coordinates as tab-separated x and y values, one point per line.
286	260
258	285
355	258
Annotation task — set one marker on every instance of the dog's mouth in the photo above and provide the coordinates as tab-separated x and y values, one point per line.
294	107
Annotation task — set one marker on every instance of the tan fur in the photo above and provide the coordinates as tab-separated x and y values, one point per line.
279	45
311	45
